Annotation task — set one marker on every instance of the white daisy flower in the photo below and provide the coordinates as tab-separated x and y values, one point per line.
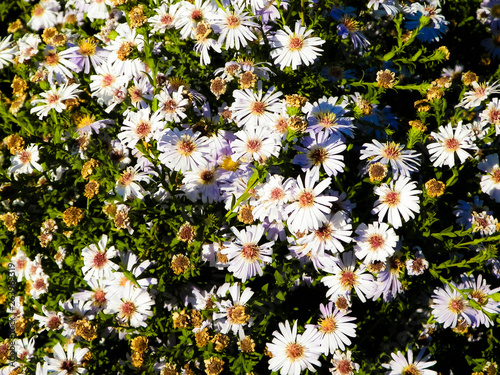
328	115
234	26
245	256
490	183
345	278
329	236
293	353
67	362
88	54
98	9
7	51
255	109
25	161
309	209
97	262
375	242
54	99
165	18
254	144
20	261
202	47
44	15
51	320
120	49
491	115
172	104
190	14
343	364
202	182
401	365
402	161
184	151
232	314
449	142
96	298
59	64
25	348
28	47
479	93
396	200
132	306
448	306
39	285
127	185
481	293
321	149
273	197
295	48
335	328
105	83
140	126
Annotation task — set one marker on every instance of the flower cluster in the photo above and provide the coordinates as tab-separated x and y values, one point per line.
249	186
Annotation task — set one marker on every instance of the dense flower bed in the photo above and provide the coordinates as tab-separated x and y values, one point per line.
249	186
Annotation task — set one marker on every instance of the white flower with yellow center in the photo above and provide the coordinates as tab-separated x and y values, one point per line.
293	353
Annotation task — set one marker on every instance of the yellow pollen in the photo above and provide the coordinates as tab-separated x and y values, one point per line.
87	47
327	325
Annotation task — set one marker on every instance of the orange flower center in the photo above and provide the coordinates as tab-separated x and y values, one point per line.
186	147
392	199
254	145
296	43
294	351
277	193
327	325
250	252
306	198
451	144
99	260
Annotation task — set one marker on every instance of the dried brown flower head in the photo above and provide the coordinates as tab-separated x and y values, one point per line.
137	17
245	214
88	168
385	79
297	123
468	78
169	369
445	51
435	188
10	220
15	26
422	105
248	80
247	345
377	172
121	219
214	366
220	341
19	86
86	330
434	93
295	101
14	143
202	337
181	319
72	216
218	86
186	233
139	344
180	264
417	124
91	189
